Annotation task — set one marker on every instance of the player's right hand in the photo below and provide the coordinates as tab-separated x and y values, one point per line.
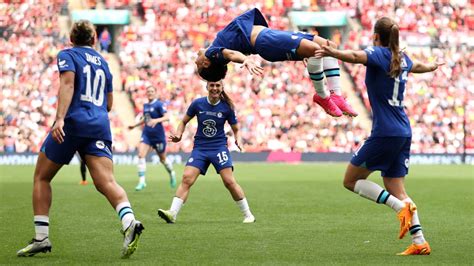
175	138
252	67
57	131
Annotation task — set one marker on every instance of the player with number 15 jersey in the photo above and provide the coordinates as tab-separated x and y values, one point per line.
210	147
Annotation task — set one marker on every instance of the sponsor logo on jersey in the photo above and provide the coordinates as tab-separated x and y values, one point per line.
209	129
62	63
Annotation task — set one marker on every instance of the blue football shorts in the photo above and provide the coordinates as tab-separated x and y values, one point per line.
220	158
63	153
390	155
277	45
158	145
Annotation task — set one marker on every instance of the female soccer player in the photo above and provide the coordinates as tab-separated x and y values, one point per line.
82	124
153	136
249	34
210	147
388	147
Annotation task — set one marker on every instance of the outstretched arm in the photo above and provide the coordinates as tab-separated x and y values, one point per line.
248	63
350	56
142	119
179	132
419	67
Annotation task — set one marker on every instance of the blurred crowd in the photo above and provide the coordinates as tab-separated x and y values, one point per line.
29	81
275	112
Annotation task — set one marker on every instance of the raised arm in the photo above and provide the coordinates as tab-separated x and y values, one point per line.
248	63
419	67
179	132
66	91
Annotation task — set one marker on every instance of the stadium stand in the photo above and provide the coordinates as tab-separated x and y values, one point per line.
159	48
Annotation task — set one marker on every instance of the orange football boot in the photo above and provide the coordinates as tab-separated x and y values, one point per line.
414	249
405	215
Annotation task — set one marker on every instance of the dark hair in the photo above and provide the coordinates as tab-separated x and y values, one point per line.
83	33
388	30
225	97
213	73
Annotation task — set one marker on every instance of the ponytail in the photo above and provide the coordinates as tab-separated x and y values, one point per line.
395	67
225	97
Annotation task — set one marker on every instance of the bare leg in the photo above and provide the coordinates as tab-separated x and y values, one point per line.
44	172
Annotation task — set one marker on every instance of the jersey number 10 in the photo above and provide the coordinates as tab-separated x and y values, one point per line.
94	92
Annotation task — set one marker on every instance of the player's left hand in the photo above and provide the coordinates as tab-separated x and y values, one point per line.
252	67
238	146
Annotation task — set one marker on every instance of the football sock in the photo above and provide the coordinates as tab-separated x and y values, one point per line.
332	73
244	207
176	205
83	171
125	213
374	192
416	231
168	166
315	71
141	169
41	226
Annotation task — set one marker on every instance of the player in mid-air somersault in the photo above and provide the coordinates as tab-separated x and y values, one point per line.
249	34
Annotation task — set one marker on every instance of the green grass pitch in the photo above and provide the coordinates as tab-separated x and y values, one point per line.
304	216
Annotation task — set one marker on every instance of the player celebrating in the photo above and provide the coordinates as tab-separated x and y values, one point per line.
249	34
210	147
153	136
388	147
82	124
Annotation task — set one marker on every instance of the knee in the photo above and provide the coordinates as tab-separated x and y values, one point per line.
349	184
104	186
230	183
187	181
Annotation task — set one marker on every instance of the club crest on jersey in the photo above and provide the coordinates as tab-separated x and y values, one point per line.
209	129
191	160
219	115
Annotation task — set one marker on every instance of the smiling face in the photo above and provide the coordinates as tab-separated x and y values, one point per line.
215	89
151	93
202	61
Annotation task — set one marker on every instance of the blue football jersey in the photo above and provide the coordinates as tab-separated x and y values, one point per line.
87	115
235	36
153	110
386	93
211	119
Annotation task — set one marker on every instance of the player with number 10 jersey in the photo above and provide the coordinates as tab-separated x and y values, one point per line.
87	115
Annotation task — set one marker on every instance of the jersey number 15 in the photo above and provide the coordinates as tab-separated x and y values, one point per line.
94	91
